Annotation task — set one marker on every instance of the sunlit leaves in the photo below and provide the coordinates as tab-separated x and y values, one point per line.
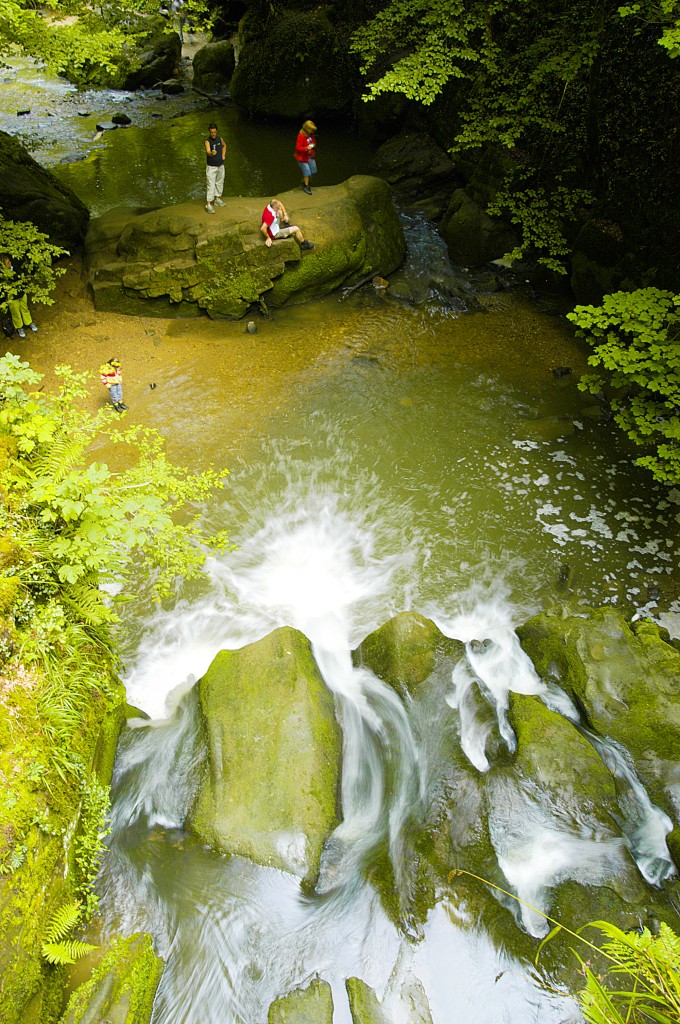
636	342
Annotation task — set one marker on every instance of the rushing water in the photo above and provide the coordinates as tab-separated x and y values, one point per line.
400	456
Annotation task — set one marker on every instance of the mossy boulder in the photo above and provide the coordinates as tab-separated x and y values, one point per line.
151	54
471	235
404	651
28	192
213	65
270	791
296	66
180	260
626	680
410	1003
311	1005
122	987
567	769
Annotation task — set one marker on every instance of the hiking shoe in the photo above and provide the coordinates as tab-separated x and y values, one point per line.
307	189
306	245
21	332
33	327
210	208
218	202
122	407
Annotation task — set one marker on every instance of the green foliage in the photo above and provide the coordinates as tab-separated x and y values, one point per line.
523	76
71	525
56	947
658	12
540	217
89	844
32	255
649	968
636	342
646	965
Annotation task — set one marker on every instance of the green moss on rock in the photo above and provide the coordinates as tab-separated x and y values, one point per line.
363	1003
405	650
311	1005
179	261
122	987
625	679
270	791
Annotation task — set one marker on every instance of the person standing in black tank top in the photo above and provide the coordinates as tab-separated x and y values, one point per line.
216	150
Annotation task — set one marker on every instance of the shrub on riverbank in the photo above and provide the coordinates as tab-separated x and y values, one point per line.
69	526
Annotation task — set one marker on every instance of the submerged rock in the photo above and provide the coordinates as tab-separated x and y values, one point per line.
270	790
122	988
311	1005
178	259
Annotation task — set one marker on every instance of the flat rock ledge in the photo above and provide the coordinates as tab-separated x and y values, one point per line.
182	261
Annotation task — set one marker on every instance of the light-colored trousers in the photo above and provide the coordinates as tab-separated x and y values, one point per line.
18	310
215	181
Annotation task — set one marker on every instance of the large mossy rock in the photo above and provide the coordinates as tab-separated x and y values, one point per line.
151	55
29	192
418	169
311	1005
213	65
471	235
363	1003
626	680
270	791
296	66
121	989
180	260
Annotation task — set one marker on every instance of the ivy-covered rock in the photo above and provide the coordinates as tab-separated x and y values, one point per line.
213	65
28	192
49	840
626	680
122	987
270	790
296	66
180	260
311	1005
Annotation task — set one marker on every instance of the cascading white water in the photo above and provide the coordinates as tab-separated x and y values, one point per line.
235	936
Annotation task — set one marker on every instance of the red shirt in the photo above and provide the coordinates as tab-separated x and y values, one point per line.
305	147
271	220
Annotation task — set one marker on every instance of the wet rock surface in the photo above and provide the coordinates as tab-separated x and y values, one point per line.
270	789
181	260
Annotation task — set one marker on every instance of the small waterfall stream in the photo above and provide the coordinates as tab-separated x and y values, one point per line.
236	936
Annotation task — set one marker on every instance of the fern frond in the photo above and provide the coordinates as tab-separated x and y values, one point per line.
63	920
66	952
63	453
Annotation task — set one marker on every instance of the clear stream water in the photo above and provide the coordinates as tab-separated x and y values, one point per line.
427	458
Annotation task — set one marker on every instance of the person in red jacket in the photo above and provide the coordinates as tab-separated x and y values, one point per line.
305	154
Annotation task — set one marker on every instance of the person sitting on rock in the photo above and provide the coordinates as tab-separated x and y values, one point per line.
276	225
